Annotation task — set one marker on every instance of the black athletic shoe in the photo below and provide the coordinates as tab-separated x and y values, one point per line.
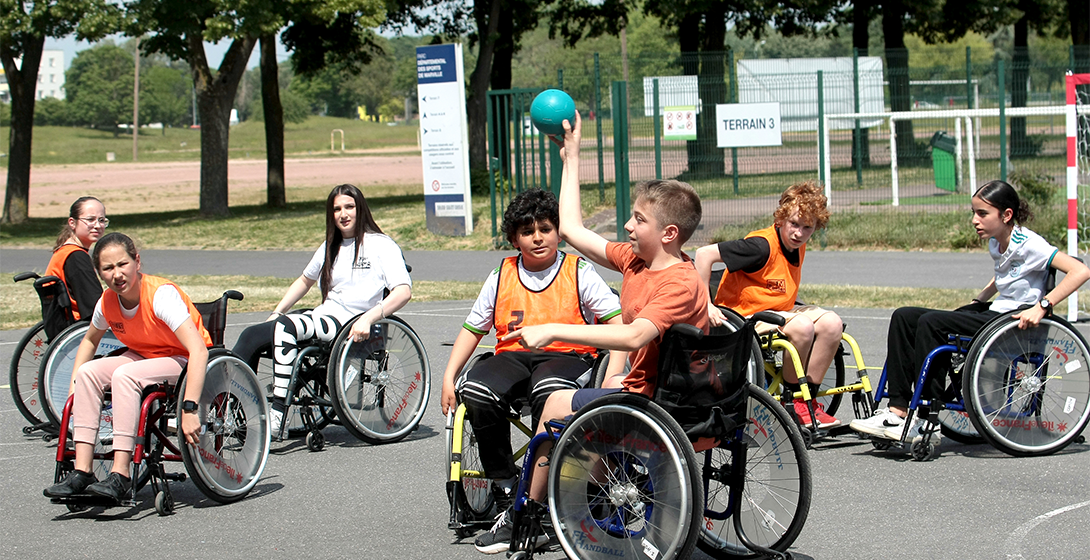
75	483
498	538
115	486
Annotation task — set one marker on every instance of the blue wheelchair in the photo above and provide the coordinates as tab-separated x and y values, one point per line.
1026	392
710	461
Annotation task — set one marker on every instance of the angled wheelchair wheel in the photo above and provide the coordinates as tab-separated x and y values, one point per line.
234	446
55	374
957	426
380	386
23	374
468	490
835	377
775	500
624	482
1027	392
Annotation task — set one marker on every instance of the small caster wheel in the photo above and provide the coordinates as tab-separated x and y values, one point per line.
807	437
1080	439
315	441
464	532
76	508
27	430
881	444
520	555
923	451
164	503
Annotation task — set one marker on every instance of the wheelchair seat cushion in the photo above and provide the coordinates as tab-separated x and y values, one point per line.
702	379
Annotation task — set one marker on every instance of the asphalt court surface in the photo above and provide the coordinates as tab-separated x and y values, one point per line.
361	501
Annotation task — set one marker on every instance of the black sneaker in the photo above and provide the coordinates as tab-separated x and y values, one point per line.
75	483
116	487
498	538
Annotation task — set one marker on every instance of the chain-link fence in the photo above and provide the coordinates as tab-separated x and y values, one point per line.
876	200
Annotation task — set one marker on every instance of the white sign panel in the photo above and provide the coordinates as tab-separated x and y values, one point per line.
741	125
679	123
444	139
673	90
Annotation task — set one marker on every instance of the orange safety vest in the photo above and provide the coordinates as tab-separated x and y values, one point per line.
145	333
773	288
56	268
518	306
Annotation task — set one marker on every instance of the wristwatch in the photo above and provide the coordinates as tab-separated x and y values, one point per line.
1045	304
189	406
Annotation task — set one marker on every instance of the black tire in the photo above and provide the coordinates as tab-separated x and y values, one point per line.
23	374
756	373
235	444
641	449
1027	392
778	486
472	494
839	379
380	387
601	365
957	426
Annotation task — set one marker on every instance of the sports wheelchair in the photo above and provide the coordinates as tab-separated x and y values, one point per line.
234	443
773	349
624	475
469	491
377	389
23	374
1026	392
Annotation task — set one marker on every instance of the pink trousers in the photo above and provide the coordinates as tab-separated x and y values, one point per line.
125	376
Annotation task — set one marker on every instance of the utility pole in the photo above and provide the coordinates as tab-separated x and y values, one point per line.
136	101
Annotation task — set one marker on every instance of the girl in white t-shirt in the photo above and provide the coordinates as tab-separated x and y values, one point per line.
1022	260
353	267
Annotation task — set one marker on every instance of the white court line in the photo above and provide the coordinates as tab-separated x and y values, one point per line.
1019	534
23	457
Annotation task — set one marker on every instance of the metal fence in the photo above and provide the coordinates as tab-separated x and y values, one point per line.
624	141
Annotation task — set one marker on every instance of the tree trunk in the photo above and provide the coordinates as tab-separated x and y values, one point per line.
712	85
1020	144
908	153
274	124
1078	13
215	94
21	83
502	59
689	42
861	15
476	108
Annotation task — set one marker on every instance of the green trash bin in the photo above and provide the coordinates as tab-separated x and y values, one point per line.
943	147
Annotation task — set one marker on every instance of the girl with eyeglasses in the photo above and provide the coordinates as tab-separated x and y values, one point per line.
71	262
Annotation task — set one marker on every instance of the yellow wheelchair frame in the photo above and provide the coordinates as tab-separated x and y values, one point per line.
862	402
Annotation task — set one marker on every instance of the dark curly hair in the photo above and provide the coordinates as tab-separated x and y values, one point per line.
527	208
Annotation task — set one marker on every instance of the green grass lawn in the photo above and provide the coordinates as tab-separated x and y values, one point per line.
71	145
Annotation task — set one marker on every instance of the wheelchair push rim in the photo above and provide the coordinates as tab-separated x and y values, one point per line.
380	386
777	488
232	451
624	481
1028	391
55	374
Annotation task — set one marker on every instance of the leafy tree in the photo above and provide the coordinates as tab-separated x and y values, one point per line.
296	110
178	29
51	112
24	26
164	96
99	87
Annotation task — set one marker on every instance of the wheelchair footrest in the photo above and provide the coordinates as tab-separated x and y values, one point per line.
92	500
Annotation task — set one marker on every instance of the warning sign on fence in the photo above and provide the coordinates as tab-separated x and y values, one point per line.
679	123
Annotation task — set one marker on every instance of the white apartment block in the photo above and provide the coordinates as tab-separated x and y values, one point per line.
50	77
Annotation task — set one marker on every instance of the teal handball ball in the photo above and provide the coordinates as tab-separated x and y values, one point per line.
549	110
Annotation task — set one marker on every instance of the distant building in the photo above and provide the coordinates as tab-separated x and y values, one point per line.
50	77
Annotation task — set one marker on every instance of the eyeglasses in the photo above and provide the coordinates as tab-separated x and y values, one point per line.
91	221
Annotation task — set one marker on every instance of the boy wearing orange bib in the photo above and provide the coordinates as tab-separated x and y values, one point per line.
764	271
539	285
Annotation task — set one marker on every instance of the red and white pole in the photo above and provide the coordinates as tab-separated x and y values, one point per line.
1073	180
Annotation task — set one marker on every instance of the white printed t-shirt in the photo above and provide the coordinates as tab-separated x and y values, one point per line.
357	286
1021	271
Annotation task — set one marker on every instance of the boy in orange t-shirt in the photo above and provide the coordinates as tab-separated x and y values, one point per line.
661	287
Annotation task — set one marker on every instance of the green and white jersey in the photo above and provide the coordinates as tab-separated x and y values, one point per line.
1020	271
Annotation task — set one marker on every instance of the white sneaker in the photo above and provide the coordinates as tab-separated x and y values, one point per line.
276	418
877	425
914	434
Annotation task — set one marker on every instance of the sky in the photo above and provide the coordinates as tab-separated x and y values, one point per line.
214	51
